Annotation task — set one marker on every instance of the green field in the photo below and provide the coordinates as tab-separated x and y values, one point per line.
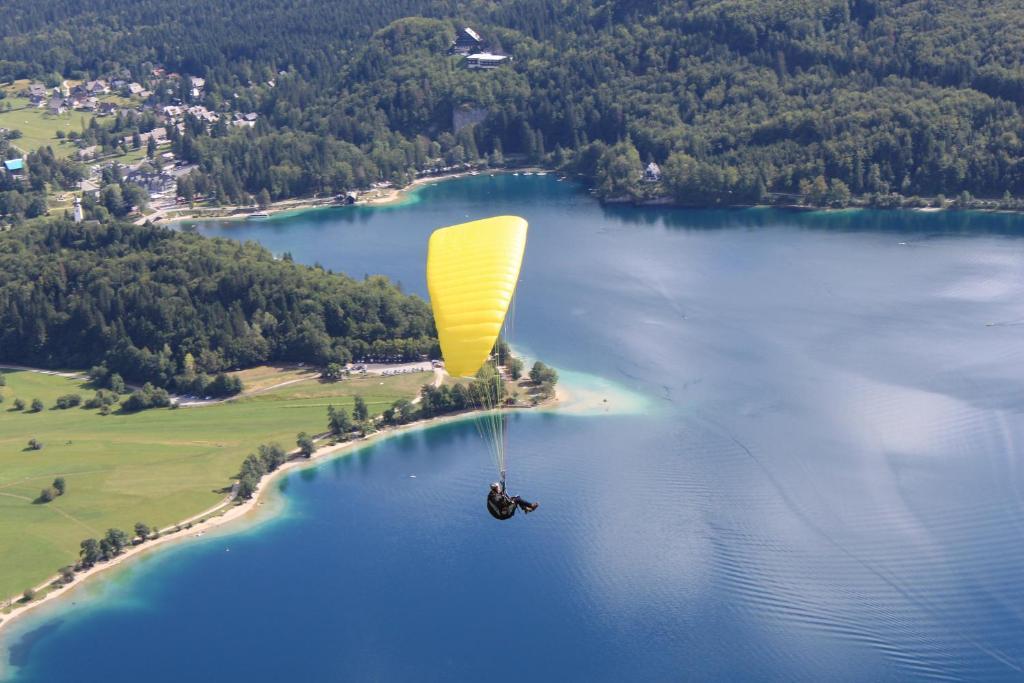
39	128
158	466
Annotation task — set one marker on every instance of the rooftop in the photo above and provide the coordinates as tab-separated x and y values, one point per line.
487	57
14	164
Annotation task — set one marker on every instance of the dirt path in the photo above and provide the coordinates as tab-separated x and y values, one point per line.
437	382
245	394
55	509
57	373
41	371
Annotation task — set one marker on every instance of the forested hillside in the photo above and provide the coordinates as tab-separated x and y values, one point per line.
735	99
166	307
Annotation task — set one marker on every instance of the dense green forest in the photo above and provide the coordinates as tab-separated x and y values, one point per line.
27	199
737	100
171	308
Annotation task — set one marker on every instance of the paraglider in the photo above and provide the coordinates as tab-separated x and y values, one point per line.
503	506
472	271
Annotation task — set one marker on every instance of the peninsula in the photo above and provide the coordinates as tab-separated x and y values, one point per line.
157	430
296	391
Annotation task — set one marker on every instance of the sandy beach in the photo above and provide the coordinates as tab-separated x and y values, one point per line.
229	510
395	195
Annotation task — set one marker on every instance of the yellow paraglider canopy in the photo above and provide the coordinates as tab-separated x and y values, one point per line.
472	270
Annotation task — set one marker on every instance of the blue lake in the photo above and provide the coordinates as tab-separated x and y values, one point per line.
807	469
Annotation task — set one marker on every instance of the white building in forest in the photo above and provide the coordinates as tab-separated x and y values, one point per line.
485	60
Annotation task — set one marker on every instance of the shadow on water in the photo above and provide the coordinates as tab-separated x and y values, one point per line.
895	221
19	652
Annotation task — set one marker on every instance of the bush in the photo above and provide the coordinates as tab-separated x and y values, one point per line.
35	445
37	405
515	368
68	401
90	552
338	421
223	385
47	494
333	372
247	486
59	486
103	397
146	397
19	404
28	595
115	541
543	374
305	444
100	375
272	456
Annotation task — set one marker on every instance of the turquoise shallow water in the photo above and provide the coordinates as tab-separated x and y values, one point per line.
814	475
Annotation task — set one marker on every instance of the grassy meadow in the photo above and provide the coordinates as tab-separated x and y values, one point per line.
39	128
157	466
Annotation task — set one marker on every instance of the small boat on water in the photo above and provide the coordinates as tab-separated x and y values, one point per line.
542	172
515	174
528	173
259	214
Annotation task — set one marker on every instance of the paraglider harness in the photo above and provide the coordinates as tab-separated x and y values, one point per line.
499	503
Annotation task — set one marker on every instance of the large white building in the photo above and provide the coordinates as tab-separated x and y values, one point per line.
485	60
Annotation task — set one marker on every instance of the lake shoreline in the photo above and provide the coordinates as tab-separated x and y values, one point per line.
380	197
231	510
397	196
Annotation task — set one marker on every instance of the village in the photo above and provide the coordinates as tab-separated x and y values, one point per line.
122	127
34	114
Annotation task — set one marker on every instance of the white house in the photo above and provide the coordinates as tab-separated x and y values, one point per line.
485	60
